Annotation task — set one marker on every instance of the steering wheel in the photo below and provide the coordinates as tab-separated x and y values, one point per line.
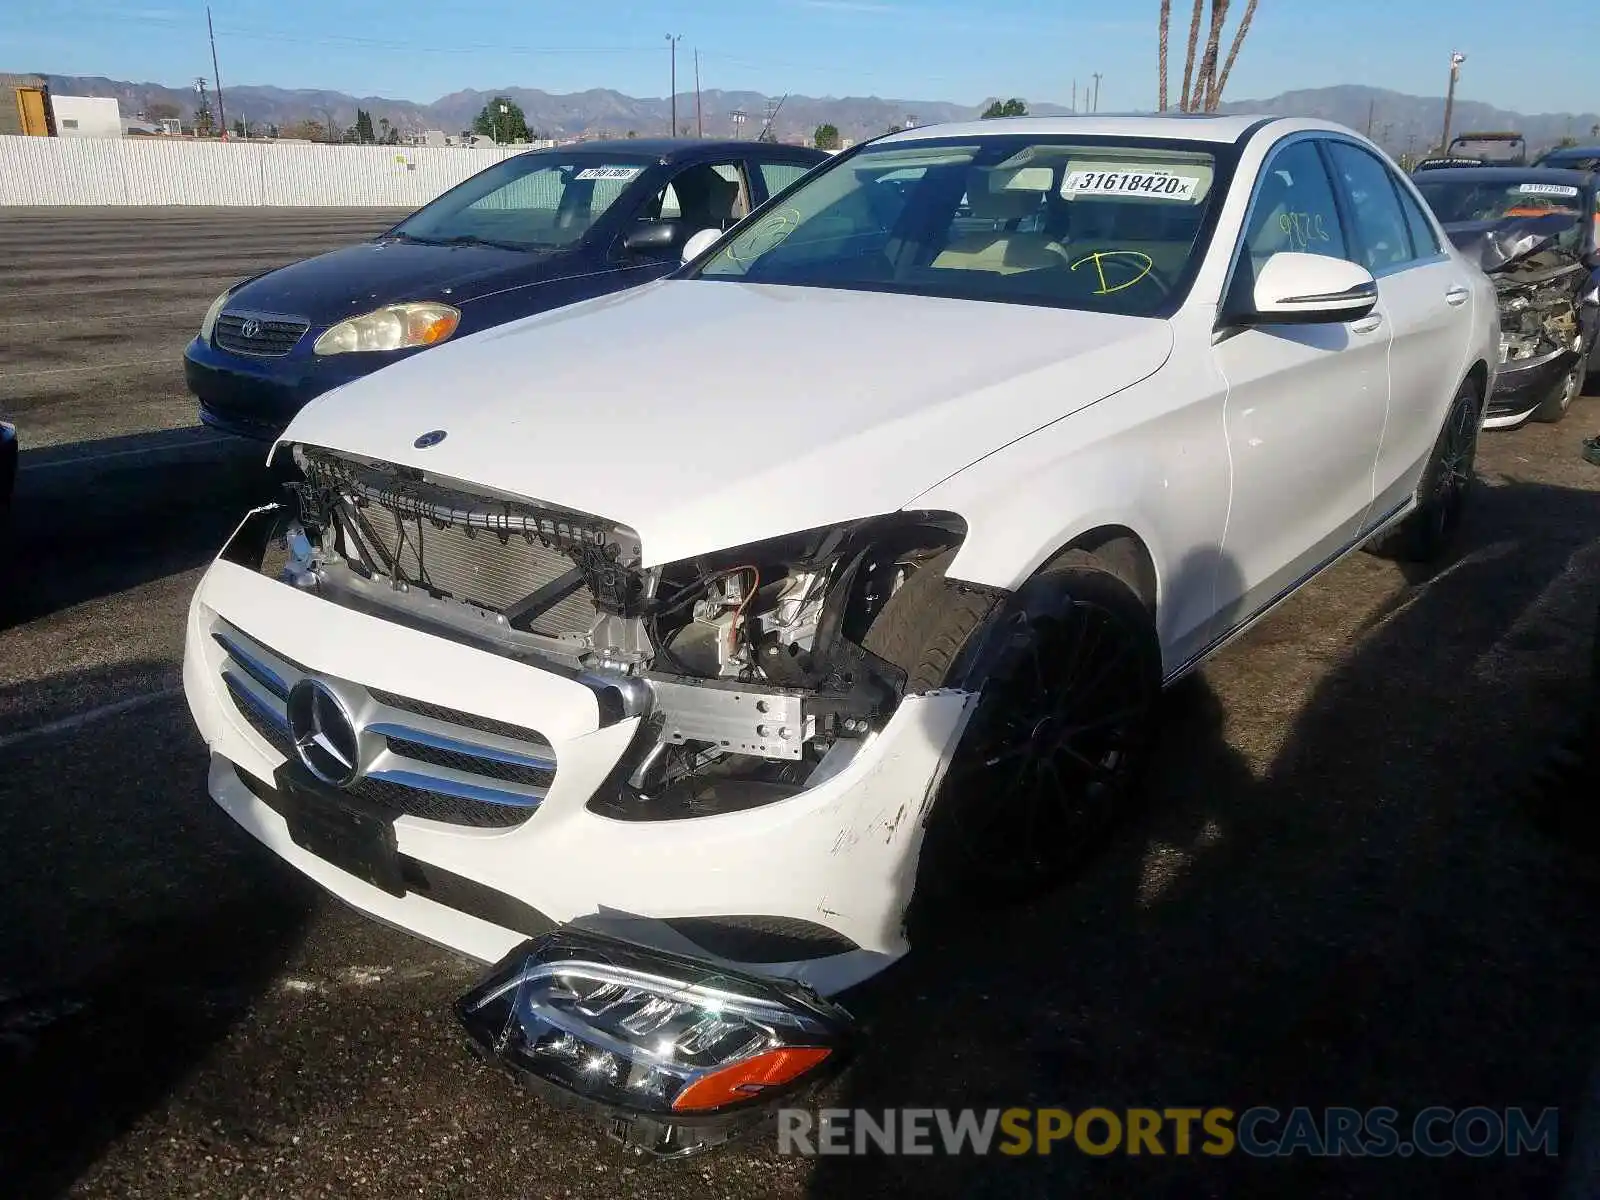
1107	272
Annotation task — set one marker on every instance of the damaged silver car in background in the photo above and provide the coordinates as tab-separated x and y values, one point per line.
1533	231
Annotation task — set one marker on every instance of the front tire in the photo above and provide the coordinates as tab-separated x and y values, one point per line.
1445	488
1061	733
1569	389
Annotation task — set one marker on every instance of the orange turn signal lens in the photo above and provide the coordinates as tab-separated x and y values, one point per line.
436	330
748	1078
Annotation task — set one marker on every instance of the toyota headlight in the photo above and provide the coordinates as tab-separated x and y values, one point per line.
209	321
651	1033
392	327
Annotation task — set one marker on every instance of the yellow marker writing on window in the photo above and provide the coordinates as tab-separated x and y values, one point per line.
1137	264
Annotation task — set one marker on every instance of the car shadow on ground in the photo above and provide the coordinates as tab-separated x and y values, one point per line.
94	518
1363	913
137	930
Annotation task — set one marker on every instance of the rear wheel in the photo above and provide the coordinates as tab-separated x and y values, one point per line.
1445	488
1060	735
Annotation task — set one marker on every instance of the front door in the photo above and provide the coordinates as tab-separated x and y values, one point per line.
1306	403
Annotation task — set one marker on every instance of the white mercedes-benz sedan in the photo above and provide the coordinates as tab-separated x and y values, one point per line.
679	650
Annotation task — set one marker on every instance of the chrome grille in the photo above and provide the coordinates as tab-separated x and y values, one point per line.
478	567
415	763
247	333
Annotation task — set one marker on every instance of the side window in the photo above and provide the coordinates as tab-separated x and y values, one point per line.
1294	209
1423	239
1380	225
778	176
704	196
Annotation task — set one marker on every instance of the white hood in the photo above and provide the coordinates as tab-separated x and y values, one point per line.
705	415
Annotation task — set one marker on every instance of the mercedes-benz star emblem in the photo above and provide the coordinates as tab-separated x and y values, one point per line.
324	733
432	438
251	329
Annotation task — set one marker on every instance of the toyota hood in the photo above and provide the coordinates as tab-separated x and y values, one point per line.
704	414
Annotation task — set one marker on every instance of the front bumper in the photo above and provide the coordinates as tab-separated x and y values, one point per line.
1521	387
257	396
840	855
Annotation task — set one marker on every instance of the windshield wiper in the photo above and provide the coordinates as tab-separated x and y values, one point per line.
472	239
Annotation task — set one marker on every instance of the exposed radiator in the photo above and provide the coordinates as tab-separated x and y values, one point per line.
479	568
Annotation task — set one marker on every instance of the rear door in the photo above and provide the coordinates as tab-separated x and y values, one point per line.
1306	403
1425	297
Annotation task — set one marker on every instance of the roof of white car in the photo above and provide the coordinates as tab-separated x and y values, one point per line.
1196	127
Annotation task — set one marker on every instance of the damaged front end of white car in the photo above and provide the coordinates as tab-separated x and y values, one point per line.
680	987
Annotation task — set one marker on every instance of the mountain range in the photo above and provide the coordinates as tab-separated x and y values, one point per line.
1400	122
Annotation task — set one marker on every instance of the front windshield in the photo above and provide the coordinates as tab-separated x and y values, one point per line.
1461	201
1103	224
531	201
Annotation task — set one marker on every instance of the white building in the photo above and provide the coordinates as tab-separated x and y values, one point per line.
86	116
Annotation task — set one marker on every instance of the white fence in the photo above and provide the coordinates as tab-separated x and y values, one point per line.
44	170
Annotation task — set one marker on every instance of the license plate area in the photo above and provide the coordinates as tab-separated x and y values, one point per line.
348	833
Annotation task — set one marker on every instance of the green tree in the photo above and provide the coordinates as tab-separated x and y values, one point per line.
308	130
364	133
239	129
1009	108
505	126
826	137
632	134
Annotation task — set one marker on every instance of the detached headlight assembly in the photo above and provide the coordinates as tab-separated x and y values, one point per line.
652	1035
209	321
392	327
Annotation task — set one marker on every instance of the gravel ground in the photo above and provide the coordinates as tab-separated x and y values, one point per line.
1335	893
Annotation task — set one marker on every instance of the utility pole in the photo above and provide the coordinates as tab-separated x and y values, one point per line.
672	45
202	106
1372	109
1456	59
216	75
699	125
1097	78
1074	95
739	116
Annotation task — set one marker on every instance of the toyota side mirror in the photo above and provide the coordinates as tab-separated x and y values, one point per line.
653	237
1300	289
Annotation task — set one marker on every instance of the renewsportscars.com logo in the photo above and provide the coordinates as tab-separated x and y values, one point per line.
1259	1132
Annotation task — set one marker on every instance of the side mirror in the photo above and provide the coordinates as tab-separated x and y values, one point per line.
1301	289
652	237
700	243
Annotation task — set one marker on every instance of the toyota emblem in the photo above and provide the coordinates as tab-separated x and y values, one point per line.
432	438
251	329
325	737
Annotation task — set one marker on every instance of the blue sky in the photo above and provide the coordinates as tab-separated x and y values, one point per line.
1537	60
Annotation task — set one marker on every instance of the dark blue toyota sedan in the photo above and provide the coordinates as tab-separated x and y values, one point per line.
531	233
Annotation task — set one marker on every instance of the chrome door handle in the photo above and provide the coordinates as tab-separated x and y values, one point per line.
1457	296
1366	324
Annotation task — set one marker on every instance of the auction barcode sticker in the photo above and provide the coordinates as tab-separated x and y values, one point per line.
609	172
1156	185
1548	189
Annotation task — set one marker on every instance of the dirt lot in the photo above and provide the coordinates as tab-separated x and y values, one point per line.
1336	894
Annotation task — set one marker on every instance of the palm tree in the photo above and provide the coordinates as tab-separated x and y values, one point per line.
1188	62
1233	53
1201	101
1202	84
1166	22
